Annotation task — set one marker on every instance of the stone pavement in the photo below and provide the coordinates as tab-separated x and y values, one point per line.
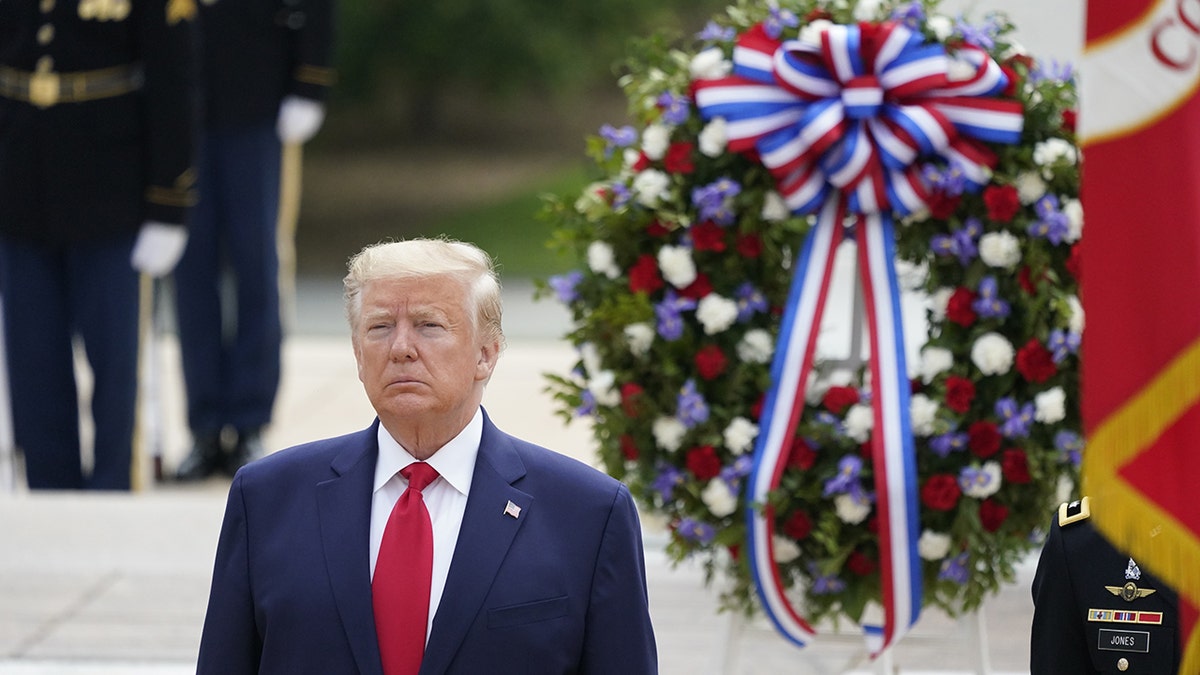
102	584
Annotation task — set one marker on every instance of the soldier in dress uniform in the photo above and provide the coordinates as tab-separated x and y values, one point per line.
1096	610
266	74
97	128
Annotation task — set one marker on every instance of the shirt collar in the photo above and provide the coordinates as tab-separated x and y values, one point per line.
454	461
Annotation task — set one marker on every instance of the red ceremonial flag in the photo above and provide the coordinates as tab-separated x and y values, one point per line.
1140	287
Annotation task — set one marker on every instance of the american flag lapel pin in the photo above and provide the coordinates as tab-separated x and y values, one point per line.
512	509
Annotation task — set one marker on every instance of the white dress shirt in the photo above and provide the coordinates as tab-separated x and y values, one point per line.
445	497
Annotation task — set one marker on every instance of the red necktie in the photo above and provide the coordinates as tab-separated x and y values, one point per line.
400	588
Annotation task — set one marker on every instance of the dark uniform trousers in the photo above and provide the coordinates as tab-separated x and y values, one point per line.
98	114
255	52
1094	611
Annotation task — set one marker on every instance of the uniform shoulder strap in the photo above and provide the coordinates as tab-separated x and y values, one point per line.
1073	512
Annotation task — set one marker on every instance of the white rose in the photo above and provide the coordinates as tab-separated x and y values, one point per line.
1076	322
1030	187
851	509
1073	210
739	435
639	336
714	137
601	261
941	25
719	499
987	484
1050	406
710	64
933	545
677	266
934	362
593	197
1000	249
601	386
630	157
650	187
811	34
656	138
716	313
960	70
938	301
590	357
774	209
1064	489
815	388
786	550
992	354
911	277
1053	150
867	10
668	433
756	346
859	422
923	413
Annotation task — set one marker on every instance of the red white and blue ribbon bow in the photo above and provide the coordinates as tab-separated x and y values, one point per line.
844	127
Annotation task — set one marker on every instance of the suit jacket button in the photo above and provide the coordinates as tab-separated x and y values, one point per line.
1122	664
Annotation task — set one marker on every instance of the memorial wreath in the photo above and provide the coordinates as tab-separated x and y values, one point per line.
947	155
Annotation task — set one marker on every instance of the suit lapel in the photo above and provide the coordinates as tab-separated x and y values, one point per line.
483	542
344	508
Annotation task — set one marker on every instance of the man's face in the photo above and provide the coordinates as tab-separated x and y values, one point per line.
419	357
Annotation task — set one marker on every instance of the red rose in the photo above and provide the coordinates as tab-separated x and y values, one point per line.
1073	263
710	361
958	308
1014	465
756	408
1035	362
749	245
983	438
837	399
1069	117
656	229
802	455
703	462
630	395
960	392
798	525
942	206
860	564
940	492
1025	280
992	514
698	288
644	276
629	448
679	158
708	236
641	163
1002	202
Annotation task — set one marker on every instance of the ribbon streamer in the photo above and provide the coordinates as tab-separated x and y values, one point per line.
845	127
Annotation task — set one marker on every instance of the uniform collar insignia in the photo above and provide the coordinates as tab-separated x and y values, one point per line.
1132	571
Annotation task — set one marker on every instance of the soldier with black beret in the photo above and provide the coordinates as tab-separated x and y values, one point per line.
267	70
1097	610
97	122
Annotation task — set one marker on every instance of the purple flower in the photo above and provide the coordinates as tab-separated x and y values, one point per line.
981	36
826	417
614	137
911	15
955	569
946	443
778	20
621	194
669	313
1070	446
988	304
713	31
749	301
971	477
696	531
960	243
667	479
690	406
1062	344
846	480
715	201
587	405
1052	225
824	584
1052	70
1016	420
950	180
675	108
564	286
735	472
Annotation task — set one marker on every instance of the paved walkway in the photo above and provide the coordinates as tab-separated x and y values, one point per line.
94	584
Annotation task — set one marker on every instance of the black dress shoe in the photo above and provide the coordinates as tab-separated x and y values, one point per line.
204	460
248	448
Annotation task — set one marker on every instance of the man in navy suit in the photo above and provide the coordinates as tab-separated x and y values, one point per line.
537	562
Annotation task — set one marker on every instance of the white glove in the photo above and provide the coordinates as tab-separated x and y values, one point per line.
299	119
158	248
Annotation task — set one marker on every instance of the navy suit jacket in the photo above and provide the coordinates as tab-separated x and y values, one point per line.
559	589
